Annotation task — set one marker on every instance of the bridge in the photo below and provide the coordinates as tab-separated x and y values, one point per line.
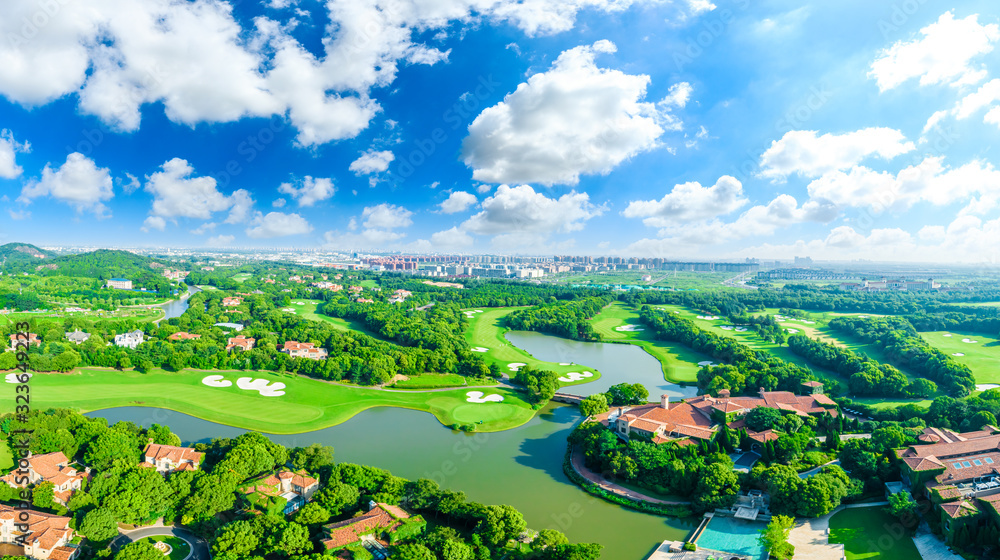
567	398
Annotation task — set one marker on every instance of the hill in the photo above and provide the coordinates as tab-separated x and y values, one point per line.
22	254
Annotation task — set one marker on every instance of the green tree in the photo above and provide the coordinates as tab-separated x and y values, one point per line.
594	404
43	494
500	524
140	550
763	418
312	514
112	445
774	537
718	486
99	525
413	551
235	540
903	506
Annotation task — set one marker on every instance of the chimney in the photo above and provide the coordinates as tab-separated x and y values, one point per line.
665	402
761	392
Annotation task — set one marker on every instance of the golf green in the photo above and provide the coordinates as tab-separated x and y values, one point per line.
981	353
865	534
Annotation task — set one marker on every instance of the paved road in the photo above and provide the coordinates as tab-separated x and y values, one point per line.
199	548
577	461
816	470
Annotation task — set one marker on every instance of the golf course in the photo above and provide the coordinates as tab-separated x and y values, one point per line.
978	351
302	404
306	308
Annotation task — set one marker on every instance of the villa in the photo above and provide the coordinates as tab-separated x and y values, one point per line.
699	418
242	342
169	458
231	301
16	339
129	339
183	336
47	536
120	284
303	350
54	468
295	488
380	523
77	337
328	286
959	472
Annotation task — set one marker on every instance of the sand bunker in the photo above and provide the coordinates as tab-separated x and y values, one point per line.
862	316
288	309
987	386
706	363
515	366
12	377
707	317
478	397
958	354
564	363
479	349
727	327
947	335
809	322
969	341
262	386
629	328
792	331
575	376
216	381
740	329
299	303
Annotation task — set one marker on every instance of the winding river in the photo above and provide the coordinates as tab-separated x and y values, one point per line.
521	467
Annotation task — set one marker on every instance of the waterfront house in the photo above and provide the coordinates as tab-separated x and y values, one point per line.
181	335
169	458
231	301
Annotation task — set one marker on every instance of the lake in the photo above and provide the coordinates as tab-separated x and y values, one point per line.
177	307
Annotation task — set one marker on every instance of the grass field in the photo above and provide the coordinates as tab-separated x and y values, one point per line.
306	308
981	356
179	547
242	277
368	283
486	330
678	362
308	404
434	381
865	534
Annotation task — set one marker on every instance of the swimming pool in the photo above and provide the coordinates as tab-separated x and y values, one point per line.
736	536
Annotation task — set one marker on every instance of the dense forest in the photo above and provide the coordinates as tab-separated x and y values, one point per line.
567	318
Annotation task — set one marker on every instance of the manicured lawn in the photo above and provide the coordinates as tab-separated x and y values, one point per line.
368	283
981	356
486	330
179	547
871	534
433	381
679	363
242	277
308	404
6	457
306	308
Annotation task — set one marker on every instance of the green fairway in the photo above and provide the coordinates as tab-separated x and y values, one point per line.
865	534
679	363
306	308
486	330
242	277
981	356
434	381
368	283
308	404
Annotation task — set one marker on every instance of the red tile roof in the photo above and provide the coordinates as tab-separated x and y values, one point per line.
382	517
174	454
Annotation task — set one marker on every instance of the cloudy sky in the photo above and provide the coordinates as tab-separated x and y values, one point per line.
840	130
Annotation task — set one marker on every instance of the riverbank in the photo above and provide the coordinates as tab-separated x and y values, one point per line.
596	485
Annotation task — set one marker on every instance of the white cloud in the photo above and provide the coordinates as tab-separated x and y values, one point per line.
177	194
277	224
153	222
310	192
575	119
242	204
9	147
458	201
19	214
678	95
220	240
278	203
78	182
688	202
943	55
372	162
993	116
524	212
452	239
203	228
809	155
985	96
386	216
280	4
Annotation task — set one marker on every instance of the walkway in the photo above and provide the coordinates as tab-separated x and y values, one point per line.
577	461
199	548
811	537
816	470
931	547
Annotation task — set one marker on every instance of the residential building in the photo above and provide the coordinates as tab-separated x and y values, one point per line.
77	337
181	335
699	418
170	458
18	338
129	339
50	467
295	488
234	326
376	526
120	284
47	536
303	350
231	301
242	342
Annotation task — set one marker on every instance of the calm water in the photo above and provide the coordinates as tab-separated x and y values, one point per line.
177	307
618	363
521	467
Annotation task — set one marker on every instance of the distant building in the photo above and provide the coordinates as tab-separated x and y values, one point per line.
47	536
32	340
170	458
304	350
120	284
78	336
183	336
129	339
231	301
244	343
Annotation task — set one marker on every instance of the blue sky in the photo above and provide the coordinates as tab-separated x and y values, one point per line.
677	129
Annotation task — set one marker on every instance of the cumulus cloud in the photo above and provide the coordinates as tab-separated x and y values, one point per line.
386	216
8	151
458	201
379	223
154	222
942	55
985	96
277	224
203	228
309	192
372	162
78	182
688	202
575	119
452	239
678	95
177	193
809	155
220	240
242	204
522	211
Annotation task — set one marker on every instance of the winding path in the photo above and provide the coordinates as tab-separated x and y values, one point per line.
577	461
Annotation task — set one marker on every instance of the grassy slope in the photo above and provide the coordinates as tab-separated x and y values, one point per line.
678	362
307	310
862	531
308	404
981	356
486	330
